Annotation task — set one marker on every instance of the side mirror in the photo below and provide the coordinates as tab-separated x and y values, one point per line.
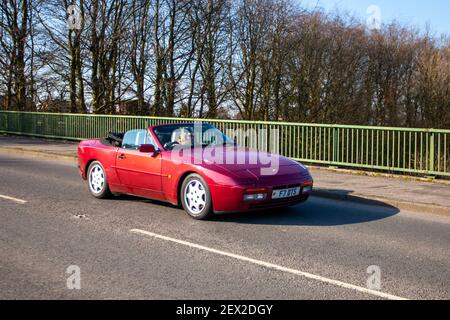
147	148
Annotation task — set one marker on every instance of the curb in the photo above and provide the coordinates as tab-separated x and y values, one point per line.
44	155
318	192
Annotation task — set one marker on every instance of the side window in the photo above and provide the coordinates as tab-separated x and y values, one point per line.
129	140
134	138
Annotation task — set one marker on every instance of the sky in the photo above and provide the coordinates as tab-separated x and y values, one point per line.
418	13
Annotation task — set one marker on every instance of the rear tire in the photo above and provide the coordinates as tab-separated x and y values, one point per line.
196	197
97	181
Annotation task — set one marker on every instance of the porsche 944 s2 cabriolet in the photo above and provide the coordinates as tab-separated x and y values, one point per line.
194	166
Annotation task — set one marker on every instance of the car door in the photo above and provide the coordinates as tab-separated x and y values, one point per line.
139	172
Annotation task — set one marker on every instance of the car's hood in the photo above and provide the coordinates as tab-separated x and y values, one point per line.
248	164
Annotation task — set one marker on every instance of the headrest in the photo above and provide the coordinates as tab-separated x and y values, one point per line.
178	133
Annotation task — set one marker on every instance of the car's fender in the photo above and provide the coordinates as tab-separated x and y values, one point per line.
94	150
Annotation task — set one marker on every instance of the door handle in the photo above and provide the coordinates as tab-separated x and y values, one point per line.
121	157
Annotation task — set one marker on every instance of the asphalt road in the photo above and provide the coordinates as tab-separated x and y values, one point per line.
318	250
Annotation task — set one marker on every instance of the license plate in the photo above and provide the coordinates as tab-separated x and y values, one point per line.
286	193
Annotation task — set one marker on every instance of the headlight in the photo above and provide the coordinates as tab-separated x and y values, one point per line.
255	197
256	194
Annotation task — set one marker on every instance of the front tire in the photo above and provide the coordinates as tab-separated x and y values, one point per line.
97	181
196	197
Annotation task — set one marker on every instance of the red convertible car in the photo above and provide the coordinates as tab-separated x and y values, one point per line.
195	166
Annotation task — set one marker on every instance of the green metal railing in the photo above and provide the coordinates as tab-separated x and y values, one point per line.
402	150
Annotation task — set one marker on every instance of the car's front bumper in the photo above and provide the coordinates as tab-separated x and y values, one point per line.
227	199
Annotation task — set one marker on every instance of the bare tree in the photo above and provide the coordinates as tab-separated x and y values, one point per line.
15	31
250	59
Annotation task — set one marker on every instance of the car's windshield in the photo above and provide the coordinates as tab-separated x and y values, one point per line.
189	135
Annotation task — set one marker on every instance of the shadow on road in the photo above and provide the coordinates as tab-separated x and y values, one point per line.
317	212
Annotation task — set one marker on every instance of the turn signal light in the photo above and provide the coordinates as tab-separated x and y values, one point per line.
307	186
256	190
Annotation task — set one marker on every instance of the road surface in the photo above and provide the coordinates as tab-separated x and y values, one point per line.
130	248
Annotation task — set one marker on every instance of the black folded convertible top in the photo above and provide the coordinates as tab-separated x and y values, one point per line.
114	139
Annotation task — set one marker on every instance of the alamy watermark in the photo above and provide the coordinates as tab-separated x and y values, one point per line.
374	280
74	19
74	280
374	17
216	148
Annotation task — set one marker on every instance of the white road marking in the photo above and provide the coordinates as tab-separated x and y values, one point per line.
272	266
13	199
